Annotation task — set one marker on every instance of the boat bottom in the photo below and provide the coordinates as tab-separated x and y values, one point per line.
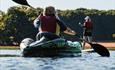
51	52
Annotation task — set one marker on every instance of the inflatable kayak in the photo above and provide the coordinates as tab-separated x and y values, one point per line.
57	47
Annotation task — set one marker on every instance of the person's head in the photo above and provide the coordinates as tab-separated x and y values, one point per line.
87	18
50	10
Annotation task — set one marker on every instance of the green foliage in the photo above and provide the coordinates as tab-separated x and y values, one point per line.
2	25
17	23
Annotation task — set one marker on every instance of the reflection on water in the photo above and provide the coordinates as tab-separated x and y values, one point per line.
88	61
10	53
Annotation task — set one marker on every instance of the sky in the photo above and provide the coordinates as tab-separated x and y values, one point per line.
64	4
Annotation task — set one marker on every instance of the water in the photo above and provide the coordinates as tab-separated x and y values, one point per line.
11	60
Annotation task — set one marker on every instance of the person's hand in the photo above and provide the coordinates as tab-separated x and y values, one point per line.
70	32
73	32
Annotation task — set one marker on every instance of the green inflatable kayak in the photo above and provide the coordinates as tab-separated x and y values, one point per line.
57	47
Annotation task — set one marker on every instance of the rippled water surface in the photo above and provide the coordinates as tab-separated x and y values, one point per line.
11	60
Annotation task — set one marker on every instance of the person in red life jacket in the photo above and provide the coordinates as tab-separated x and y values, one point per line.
49	25
87	33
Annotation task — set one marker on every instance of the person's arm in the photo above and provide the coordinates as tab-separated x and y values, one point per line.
66	29
36	23
70	31
84	24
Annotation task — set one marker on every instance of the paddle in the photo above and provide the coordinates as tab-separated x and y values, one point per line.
22	2
101	50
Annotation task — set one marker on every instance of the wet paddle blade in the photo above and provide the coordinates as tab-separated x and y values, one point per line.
100	49
22	2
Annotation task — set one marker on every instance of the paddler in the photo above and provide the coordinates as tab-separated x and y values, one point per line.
88	27
49	25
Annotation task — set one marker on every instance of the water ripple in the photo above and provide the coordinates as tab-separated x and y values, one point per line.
88	61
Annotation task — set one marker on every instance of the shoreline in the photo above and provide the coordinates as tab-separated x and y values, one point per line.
108	45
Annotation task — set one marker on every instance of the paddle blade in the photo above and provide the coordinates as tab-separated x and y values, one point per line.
22	2
100	49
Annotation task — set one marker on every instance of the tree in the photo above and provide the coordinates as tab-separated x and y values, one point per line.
17	23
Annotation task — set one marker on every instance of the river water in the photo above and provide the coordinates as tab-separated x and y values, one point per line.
11	60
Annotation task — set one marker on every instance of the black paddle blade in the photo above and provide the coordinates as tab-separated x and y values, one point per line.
22	2
100	49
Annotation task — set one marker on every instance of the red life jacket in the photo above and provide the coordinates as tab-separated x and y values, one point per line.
48	23
88	25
